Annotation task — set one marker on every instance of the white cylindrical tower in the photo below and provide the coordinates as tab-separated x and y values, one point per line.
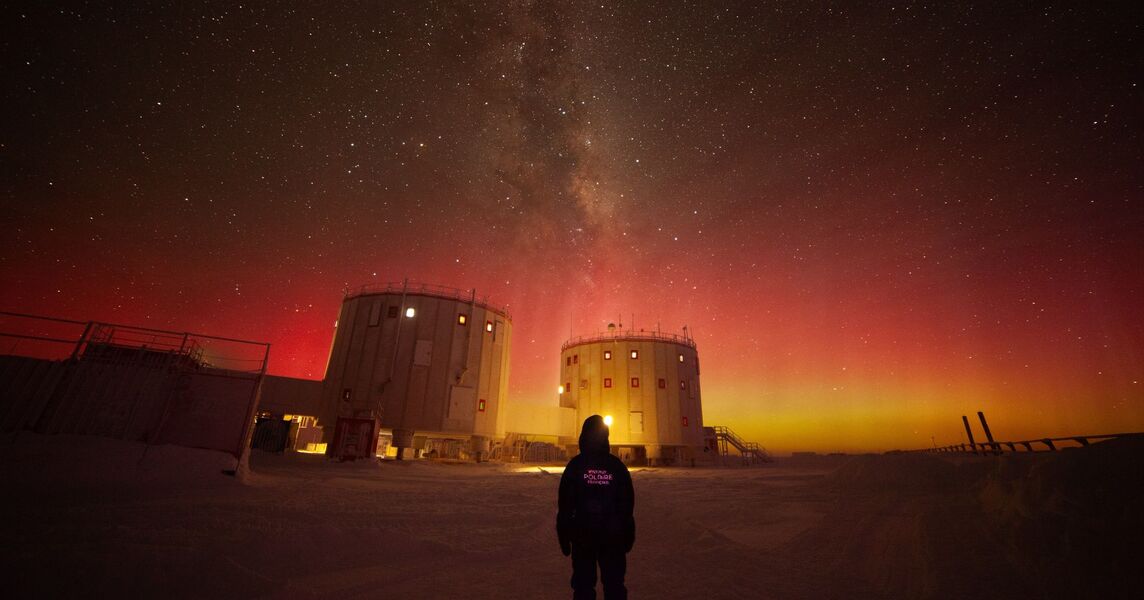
646	382
420	359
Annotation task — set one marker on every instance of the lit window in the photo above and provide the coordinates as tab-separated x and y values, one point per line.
635	353
481	406
680	358
409	312
685	421
489	326
662	384
560	390
607	382
607	355
462	319
635	381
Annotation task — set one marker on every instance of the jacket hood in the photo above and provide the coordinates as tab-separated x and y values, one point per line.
594	436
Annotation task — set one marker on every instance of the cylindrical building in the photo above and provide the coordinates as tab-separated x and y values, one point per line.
647	383
421	360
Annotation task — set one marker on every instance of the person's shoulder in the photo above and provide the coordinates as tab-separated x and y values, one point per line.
614	461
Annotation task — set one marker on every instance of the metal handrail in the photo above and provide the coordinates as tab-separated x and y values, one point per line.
428	289
746	449
1049	443
622	335
131	336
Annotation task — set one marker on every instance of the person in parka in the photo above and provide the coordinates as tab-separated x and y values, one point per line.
594	522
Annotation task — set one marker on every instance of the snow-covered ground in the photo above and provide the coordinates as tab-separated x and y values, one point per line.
100	518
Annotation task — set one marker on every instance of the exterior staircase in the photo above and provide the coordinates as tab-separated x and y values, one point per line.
723	439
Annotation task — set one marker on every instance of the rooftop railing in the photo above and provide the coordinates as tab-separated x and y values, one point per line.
628	335
52	338
428	289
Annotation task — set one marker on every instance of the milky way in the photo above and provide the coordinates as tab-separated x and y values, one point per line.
873	219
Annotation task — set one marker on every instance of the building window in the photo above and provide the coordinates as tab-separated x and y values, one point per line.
346	393
635	381
583	384
481	405
489	326
568	386
607	355
575	359
683	385
409	312
685	421
680	358
392	311
607	382
374	314
568	361
462	319
635	353
662	383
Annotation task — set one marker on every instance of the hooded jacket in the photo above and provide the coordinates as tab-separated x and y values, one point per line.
596	497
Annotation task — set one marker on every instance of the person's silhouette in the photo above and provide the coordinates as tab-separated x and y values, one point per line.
594	522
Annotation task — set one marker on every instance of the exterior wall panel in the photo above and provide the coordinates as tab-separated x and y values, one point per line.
647	415
411	372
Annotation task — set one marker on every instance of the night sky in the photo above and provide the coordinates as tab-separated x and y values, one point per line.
874	218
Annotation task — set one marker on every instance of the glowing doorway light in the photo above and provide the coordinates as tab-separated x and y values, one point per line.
409	312
560	390
608	420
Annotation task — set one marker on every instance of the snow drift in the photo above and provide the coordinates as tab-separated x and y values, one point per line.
101	517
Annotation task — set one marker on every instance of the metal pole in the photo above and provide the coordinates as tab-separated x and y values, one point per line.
400	423
969	432
82	340
988	434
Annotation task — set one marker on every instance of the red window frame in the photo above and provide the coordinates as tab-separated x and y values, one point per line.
635	382
607	382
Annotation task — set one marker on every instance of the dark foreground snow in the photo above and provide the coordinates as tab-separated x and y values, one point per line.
99	518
